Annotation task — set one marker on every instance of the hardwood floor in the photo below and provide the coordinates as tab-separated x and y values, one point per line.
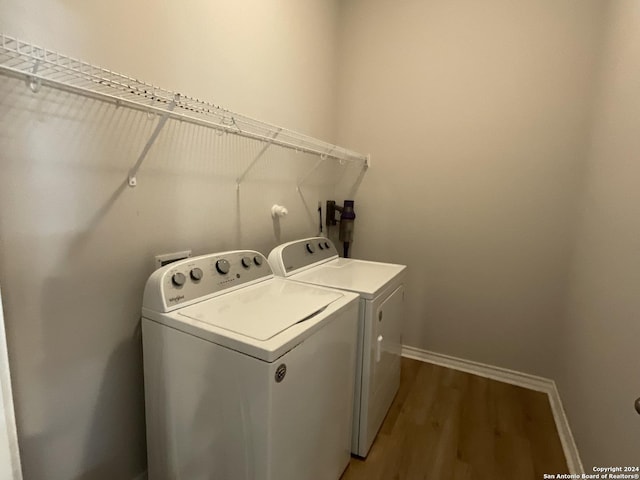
449	425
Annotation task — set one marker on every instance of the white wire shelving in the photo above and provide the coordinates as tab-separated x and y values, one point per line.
39	66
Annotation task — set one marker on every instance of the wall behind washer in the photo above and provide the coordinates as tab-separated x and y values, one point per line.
477	116
76	243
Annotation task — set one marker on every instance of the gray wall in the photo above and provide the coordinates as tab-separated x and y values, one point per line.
476	115
77	244
504	137
599	370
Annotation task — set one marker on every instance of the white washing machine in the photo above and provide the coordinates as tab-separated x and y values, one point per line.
246	376
315	261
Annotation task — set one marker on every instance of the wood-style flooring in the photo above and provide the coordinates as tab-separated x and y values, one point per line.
450	425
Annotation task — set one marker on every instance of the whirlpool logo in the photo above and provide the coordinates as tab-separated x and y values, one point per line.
177	298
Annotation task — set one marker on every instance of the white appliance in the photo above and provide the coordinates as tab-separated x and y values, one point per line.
380	286
247	376
9	452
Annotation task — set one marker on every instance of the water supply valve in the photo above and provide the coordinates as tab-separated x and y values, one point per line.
278	211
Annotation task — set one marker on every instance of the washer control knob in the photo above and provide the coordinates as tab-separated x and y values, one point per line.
321	246
178	279
257	260
326	244
246	262
222	266
196	274
310	248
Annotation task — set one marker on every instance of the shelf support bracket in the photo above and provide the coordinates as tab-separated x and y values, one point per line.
323	157
241	178
163	119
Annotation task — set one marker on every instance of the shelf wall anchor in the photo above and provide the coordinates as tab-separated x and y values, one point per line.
163	119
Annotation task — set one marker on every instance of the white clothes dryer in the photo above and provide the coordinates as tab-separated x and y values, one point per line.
246	376
315	261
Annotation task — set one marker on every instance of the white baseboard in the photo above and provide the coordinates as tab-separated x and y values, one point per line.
564	431
532	382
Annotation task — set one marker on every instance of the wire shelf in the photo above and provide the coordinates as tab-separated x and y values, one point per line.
40	66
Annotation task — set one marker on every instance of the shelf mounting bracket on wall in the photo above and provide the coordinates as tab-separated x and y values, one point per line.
320	161
133	181
240	179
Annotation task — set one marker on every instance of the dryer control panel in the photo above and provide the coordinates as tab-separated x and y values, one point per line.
288	258
194	279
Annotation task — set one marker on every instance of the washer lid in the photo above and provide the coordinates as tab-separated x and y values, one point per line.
262	311
360	276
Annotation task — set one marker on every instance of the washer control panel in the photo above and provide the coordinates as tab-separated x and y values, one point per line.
189	280
292	256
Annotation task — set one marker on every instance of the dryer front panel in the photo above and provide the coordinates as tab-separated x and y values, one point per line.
381	363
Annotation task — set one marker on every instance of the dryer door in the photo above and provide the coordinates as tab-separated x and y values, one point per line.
384	315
